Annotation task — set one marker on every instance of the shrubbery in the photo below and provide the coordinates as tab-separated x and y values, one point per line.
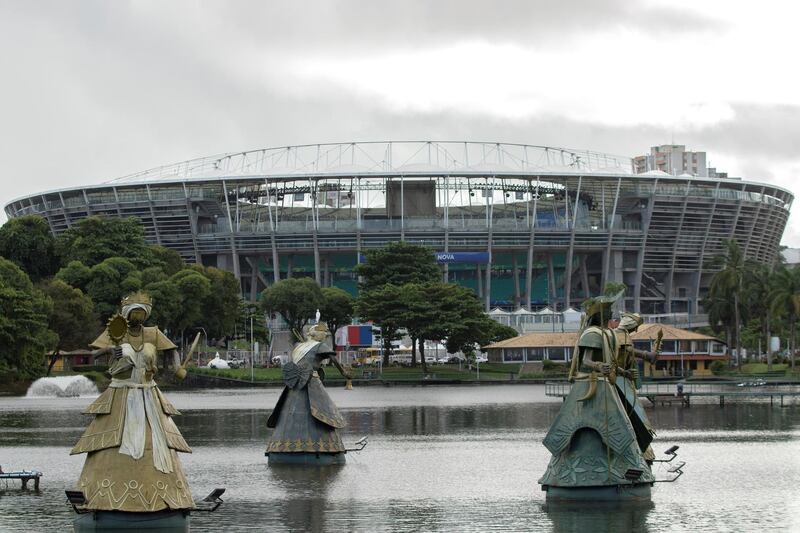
717	367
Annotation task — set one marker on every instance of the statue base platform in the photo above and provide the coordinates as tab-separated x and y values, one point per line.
301	458
168	520
604	493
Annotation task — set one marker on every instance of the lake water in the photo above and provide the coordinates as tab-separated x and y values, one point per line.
460	458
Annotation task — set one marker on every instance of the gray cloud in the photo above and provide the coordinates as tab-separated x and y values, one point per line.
95	90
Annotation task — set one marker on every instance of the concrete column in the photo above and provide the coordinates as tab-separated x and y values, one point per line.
515	270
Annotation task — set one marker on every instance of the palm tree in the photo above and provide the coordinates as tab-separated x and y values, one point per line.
785	298
720	313
759	285
731	267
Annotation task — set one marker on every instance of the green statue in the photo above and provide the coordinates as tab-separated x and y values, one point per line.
306	422
600	439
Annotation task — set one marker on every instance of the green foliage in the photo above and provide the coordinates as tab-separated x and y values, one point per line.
222	307
383	305
24	336
725	301
295	299
75	274
94	239
501	332
717	367
261	334
28	242
193	289
398	263
785	298
169	260
337	309
166	304
109	281
72	318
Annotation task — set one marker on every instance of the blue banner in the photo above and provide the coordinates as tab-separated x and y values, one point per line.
453	257
462	257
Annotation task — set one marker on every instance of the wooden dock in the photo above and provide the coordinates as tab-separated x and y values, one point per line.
668	393
24	476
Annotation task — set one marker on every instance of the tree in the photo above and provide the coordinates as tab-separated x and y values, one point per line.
421	316
169	260
296	300
75	274
222	306
758	285
252	314
28	242
469	325
383	305
397	263
167	304
501	332
719	306
193	289
731	266
337	309
71	319
109	281
24	336
95	239
785	298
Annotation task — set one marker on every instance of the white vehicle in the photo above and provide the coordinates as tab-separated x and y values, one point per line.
430	360
443	360
481	359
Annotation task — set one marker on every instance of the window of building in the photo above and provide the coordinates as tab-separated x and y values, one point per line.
513	354
535	354
693	365
701	346
685	346
557	353
668	347
717	348
642	345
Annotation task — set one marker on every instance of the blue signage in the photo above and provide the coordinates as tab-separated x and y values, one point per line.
462	257
453	257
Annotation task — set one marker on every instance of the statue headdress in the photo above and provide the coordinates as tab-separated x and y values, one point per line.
630	321
137	300
598	309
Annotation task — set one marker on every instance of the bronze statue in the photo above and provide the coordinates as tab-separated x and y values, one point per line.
305	419
600	439
131	465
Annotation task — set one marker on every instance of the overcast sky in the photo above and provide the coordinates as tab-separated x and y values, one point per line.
93	90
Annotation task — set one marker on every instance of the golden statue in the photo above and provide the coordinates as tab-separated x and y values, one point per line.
131	463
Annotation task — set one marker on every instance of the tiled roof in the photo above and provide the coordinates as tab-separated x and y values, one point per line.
646	331
671	333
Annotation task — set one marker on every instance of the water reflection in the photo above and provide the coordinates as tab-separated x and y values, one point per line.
305	494
598	517
465	465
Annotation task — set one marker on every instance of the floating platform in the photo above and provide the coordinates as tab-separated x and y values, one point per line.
169	520
607	493
311	459
24	476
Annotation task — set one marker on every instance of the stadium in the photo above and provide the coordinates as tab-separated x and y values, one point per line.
522	225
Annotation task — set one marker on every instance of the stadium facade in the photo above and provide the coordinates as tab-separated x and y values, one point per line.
521	225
